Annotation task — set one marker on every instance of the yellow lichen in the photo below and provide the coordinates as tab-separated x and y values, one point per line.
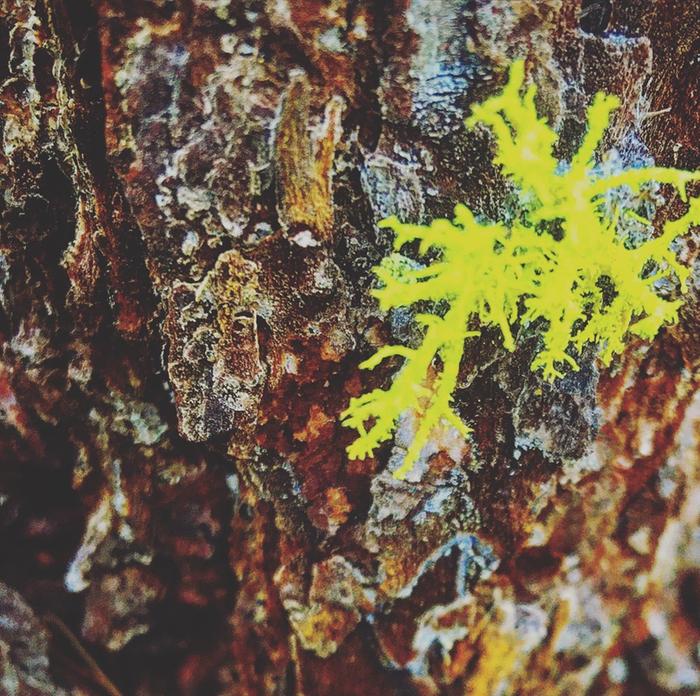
588	283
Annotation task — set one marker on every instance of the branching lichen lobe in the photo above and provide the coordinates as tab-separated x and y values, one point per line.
518	272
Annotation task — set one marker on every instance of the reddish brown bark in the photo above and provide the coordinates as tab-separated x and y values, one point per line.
190	197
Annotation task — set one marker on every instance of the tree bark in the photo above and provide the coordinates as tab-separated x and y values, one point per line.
190	197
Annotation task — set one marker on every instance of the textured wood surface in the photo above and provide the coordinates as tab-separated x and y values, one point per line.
188	222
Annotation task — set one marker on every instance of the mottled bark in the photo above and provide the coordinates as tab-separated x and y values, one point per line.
190	197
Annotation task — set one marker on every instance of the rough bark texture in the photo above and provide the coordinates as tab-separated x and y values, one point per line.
190	192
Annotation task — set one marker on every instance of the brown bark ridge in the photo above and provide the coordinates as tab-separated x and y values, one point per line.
190	191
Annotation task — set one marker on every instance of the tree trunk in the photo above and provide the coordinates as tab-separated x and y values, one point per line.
190	197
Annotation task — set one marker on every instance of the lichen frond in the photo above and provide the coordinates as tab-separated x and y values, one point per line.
501	274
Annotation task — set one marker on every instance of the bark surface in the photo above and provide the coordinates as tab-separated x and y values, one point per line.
188	222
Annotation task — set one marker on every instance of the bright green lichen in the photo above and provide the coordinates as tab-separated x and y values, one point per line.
587	284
